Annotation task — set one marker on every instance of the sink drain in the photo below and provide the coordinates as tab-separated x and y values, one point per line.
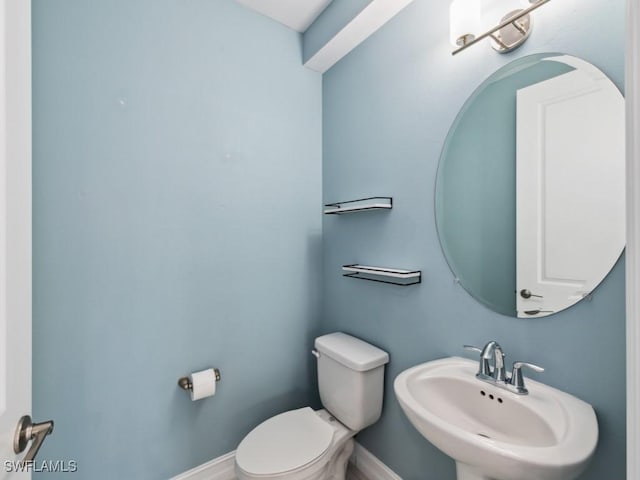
483	435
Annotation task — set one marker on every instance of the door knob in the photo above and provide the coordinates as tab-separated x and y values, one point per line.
27	431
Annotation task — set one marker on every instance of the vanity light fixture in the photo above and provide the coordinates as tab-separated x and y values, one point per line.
512	31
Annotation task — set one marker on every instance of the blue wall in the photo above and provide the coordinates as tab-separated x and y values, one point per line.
177	199
177	191
387	108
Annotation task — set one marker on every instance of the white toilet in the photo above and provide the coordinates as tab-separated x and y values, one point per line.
307	445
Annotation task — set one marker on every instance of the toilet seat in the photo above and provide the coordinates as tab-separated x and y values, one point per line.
287	442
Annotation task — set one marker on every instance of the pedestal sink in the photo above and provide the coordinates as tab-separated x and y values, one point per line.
492	433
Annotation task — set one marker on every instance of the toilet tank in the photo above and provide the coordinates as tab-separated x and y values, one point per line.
351	379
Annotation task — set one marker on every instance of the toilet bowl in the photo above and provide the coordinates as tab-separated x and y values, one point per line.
299	444
304	444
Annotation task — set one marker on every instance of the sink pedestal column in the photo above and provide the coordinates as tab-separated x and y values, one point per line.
467	472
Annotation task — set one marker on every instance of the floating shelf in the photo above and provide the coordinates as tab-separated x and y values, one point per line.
363	204
393	276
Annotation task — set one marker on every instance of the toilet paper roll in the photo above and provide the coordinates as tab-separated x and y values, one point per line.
203	384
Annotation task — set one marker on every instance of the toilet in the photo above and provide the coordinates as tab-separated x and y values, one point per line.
304	444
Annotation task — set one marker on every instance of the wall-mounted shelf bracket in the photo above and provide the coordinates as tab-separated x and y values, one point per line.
363	204
393	276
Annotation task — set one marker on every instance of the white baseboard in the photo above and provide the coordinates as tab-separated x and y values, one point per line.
223	468
369	466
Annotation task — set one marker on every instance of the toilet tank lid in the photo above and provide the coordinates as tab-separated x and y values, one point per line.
351	352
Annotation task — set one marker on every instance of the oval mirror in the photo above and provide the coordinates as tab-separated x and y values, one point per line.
530	190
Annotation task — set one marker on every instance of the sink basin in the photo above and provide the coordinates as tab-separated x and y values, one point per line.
493	433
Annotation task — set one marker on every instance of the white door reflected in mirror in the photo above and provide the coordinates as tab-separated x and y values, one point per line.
567	124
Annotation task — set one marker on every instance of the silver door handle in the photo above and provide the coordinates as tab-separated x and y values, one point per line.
524	293
27	431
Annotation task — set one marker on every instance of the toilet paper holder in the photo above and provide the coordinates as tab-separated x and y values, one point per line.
186	385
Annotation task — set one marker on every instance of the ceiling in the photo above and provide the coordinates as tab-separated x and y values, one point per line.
295	14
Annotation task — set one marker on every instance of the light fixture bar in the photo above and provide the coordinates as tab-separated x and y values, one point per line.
500	26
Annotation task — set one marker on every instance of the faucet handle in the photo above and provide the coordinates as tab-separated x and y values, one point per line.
517	380
535	368
471	348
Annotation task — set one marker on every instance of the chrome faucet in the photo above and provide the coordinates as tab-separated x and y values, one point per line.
494	350
497	374
491	351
